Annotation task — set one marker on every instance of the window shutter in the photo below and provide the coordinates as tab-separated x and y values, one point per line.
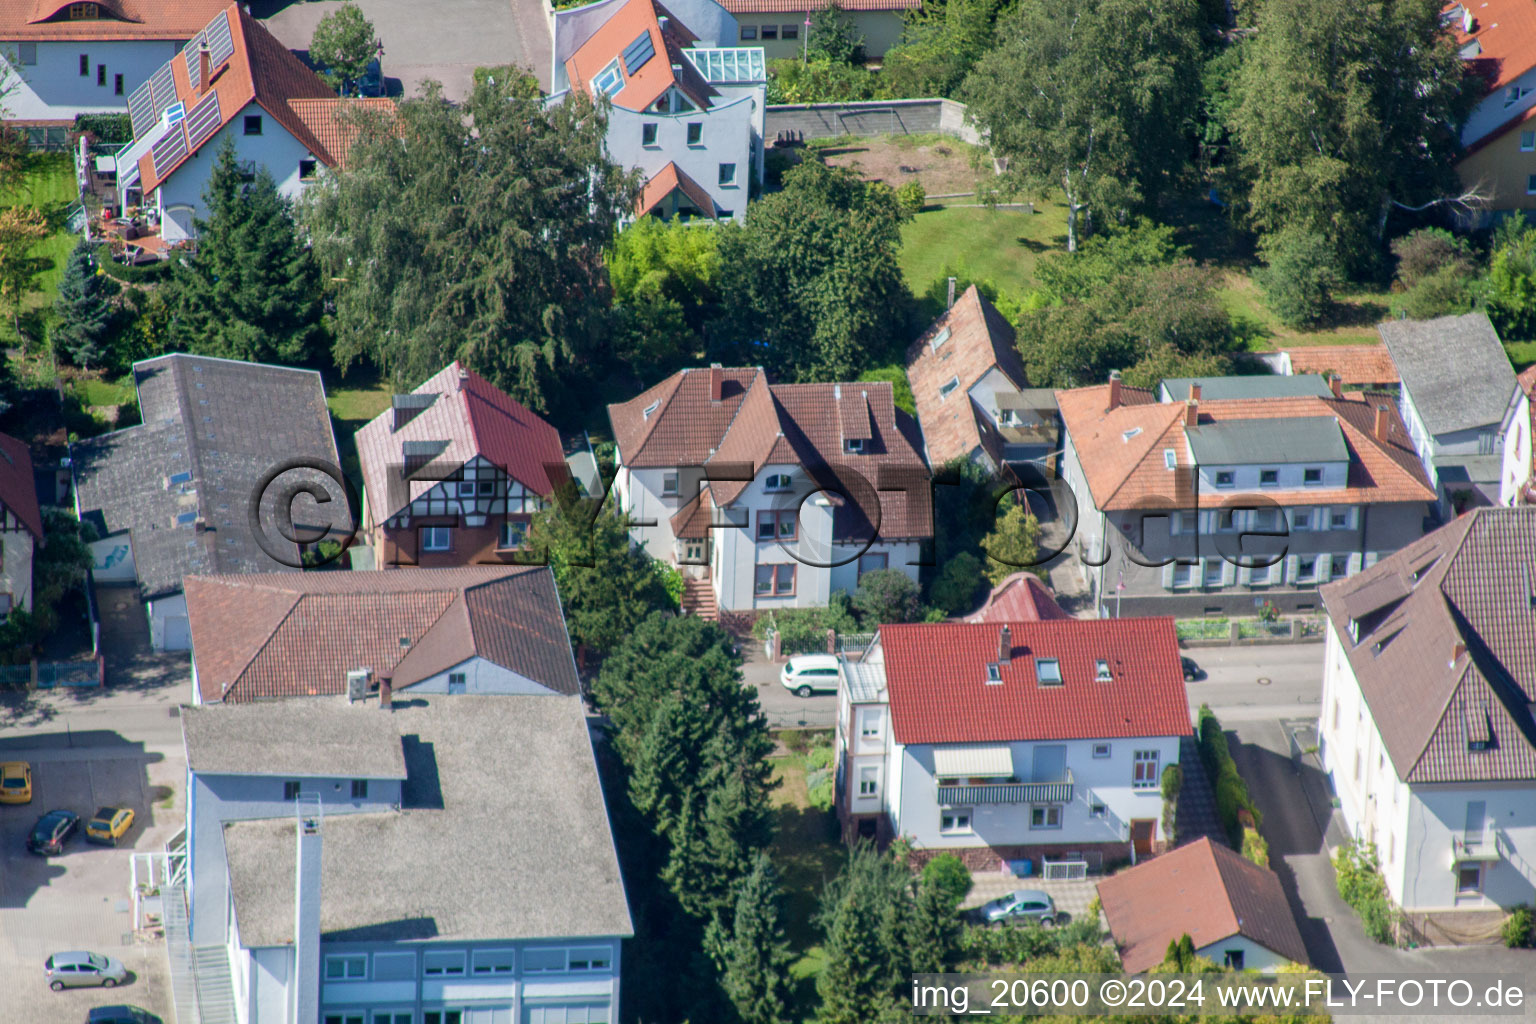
1228	573
1324	564
1244	574
1354	562
1371	557
1168	576
1290	568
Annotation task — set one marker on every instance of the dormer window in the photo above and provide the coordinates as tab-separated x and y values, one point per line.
1269	478
947	388
1048	671
776	482
1224	478
994	673
609	80
939	339
84	12
854	446
648	410
1101	671
668	484
1312	475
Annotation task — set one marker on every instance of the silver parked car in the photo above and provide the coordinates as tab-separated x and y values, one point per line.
1022	905
79	969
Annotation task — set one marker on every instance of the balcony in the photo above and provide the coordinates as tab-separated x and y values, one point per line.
964	795
1474	851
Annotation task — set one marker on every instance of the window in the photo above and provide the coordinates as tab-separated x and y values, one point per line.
776	580
1269	478
536	961
728	175
648	133
789	32
1338	519
391	1017
359	789
1096	809
436	538
252	124
443	963
1214	571
1183	574
1469	880
1306	569
594	959
869	781
854	446
1170	459
1225	520
695	133
1312	475
308	170
1527	142
608	80
948	387
1530	185
1258	575
1045	816
1301	519
994	673
82	12
1144	770
776	482
1186	522
645	413
748	32
668	484
458	682
1232	959
346	967
869	725
1101	750
85	64
101	74
565	1013
290	791
443	1017
492	961
770	32
346	1017
873	563
466	488
1101	671
514	534
117	85
954	821
778	524
1048	671
1224	478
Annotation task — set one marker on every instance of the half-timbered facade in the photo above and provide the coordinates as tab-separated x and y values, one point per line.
21	525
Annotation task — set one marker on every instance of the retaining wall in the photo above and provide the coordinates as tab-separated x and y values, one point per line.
802	121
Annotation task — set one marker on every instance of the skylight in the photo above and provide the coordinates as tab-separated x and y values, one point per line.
1101	671
608	80
1126	436
946	389
1048	671
940	338
994	673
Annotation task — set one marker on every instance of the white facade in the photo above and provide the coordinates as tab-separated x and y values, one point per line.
1500	107
1515	469
1481	440
169	628
57	80
1442	846
1254	957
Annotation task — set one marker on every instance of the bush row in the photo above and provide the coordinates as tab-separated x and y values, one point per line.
1232	795
1357	870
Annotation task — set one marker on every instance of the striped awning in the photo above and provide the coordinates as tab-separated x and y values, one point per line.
973	760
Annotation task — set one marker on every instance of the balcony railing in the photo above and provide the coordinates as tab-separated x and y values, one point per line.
1007	792
1464	850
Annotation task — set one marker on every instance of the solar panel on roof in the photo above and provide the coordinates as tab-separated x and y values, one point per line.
163	87
204	120
171	148
639	52
220	42
189	55
141	110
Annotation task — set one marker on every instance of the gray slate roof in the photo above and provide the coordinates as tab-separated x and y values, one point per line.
1453	368
502	834
295	739
224	424
1259	385
1280	440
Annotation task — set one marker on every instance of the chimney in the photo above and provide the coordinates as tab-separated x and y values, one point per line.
1004	645
463	377
1192	413
1114	390
306	909
1336	385
950	301
204	68
386	693
716	382
1457	650
1383	423
1194	391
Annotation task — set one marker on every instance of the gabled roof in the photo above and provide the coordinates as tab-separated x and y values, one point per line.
669	179
1469	583
1453	368
1021	597
1203	890
1502	43
978	341
471	416
1356	365
29	20
1121	449
18	489
298	634
649	55
937	675
258	69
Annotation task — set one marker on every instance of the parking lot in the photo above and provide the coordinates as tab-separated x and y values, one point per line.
80	900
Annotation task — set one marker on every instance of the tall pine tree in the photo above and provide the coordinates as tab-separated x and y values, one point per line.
252	291
84	314
753	954
866	915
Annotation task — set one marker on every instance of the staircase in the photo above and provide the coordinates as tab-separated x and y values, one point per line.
215	988
699	599
201	987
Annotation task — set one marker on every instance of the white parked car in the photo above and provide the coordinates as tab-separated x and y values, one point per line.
806	674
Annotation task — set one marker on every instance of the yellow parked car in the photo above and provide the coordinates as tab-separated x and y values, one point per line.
15	782
109	824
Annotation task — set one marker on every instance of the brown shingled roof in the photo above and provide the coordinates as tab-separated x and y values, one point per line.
266	635
1203	890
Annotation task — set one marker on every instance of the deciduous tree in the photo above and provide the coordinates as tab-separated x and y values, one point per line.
1014	545
21	228
345	43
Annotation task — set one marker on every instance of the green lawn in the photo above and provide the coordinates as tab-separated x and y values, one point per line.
1356	314
998	245
354	399
1521	353
48	183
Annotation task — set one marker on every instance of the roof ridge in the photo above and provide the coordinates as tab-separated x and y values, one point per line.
245	666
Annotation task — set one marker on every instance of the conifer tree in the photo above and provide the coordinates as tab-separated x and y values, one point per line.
84	314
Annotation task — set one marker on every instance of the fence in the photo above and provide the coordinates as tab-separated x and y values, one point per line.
801	121
1225	632
48	674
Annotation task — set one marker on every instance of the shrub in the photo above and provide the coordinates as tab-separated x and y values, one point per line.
671	582
1519	929
108	128
1358	875
885	595
1255	848
1173	781
803	630
1299	275
1443	292
819	782
911	197
949	875
1232	794
1426	252
957	585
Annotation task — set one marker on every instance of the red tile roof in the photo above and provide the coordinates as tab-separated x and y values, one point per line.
1505	34
29	20
1357	365
326	121
803	6
666	67
1020	598
1121	449
1201	890
474	417
18	489
667	180
936	675
266	635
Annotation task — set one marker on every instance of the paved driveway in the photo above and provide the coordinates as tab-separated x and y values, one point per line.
441	41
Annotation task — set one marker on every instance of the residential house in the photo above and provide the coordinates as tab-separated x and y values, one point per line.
172	496
1191	505
1367	367
782	27
770	495
232	81
1498	42
1234	911
1021	597
972	395
1426	730
477	629
1457	387
1001	742
1517	474
441	861
453	473
75	58
687	102
21	525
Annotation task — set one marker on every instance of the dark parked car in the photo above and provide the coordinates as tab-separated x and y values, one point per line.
1191	670
51	831
121	1015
